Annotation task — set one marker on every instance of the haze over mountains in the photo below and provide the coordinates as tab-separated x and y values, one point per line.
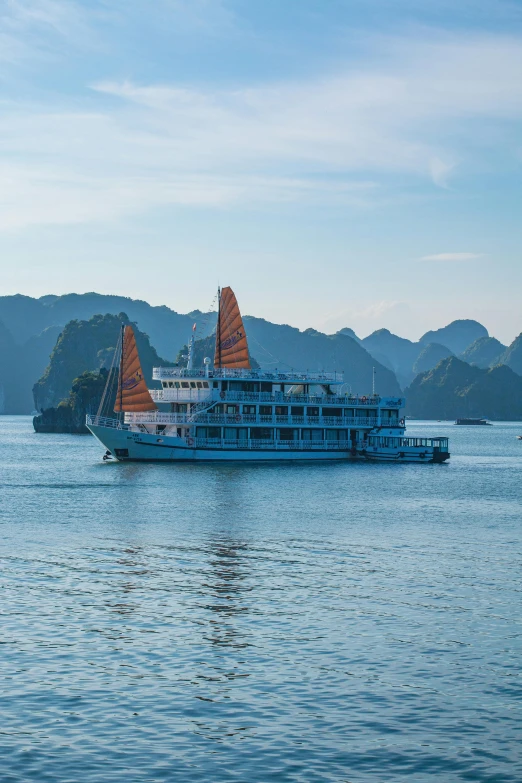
30	328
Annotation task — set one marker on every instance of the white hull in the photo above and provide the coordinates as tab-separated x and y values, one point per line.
146	448
128	446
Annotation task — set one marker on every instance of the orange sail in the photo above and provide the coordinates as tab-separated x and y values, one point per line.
231	341
133	394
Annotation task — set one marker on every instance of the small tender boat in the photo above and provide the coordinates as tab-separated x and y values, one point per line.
229	411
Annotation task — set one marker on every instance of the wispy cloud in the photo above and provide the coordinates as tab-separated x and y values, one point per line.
30	29
452	257
333	139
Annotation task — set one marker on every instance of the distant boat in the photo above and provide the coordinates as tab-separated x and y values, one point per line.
519	437
475	422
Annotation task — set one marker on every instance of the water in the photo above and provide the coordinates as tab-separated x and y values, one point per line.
341	622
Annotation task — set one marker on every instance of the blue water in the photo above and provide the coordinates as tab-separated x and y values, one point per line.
341	622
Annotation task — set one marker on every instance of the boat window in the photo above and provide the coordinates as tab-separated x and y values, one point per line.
261	433
266	387
201	432
171	384
230	433
215	384
184	385
231	408
214	432
176	384
297	410
332	434
316	435
312	411
349	412
281	410
286	434
251	409
164	384
265	410
193	384
337	412
205	384
199	385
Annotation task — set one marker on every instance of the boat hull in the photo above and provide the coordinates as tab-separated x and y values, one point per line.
128	446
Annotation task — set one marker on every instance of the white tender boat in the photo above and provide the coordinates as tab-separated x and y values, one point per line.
232	412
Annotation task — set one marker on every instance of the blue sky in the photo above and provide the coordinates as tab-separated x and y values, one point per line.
338	162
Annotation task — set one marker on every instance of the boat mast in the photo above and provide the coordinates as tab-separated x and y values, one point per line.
121	366
218	328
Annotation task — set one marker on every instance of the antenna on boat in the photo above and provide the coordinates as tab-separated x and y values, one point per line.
373	381
191	348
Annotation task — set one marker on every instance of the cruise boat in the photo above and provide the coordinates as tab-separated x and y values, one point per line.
227	410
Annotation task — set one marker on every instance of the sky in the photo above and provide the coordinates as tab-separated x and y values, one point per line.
339	163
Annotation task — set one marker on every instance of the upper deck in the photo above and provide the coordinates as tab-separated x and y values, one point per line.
228	373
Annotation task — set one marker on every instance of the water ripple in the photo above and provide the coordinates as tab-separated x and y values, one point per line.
347	623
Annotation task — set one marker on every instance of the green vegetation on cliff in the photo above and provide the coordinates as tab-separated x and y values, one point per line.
484	352
88	346
454	389
512	356
85	397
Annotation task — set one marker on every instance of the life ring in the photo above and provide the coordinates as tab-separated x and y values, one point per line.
190	441
401	422
238	417
222	395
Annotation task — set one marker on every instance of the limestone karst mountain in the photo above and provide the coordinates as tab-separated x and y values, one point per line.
31	328
85	397
285	347
405	357
512	356
87	346
484	352
457	335
455	389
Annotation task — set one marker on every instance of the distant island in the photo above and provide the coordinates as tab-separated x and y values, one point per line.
455	389
50	343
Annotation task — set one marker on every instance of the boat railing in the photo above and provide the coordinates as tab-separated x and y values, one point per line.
432	443
226	373
204	395
251	419
105	421
183	395
441	443
269	444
